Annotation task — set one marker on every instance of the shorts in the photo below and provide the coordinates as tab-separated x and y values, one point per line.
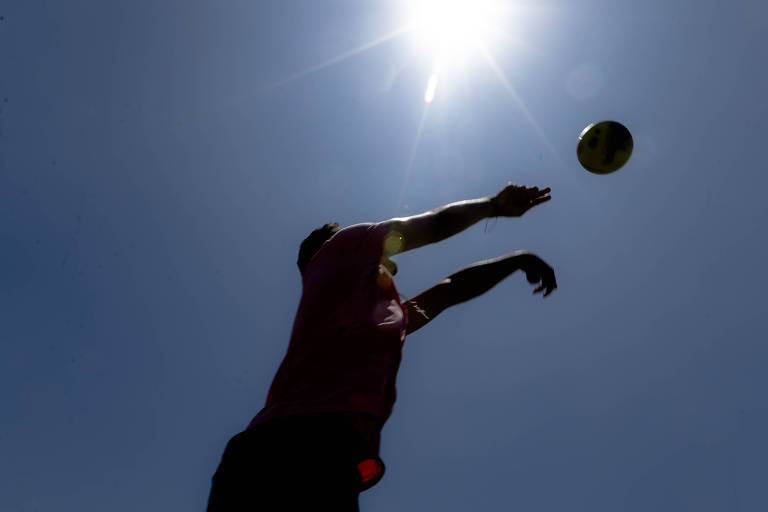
304	462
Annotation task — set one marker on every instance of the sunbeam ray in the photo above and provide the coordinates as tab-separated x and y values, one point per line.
516	41
232	102
339	58
505	83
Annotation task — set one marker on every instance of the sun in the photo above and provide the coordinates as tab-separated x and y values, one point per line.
449	31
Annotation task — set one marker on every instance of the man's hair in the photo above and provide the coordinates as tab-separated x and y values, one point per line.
313	242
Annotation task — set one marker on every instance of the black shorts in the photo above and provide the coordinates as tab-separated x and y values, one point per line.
306	462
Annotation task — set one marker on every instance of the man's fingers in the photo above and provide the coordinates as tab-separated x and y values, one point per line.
547	283
550	285
532	277
547	289
539	200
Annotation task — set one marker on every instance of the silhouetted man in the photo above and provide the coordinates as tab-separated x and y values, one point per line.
315	444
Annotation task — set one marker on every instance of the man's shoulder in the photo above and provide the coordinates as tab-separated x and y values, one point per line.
359	229
352	246
357	235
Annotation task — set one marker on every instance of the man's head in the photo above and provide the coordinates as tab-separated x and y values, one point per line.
313	242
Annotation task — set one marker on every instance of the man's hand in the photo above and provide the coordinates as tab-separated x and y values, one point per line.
475	280
536	271
515	200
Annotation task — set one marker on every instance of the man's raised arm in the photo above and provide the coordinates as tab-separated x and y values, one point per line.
475	280
446	221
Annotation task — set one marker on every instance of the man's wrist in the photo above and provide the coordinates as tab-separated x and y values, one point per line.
519	259
493	206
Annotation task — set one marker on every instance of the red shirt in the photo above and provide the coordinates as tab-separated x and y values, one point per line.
345	348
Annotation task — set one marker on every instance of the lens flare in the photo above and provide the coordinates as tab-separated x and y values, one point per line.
429	95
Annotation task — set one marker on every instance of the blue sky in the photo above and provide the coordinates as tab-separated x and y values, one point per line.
160	162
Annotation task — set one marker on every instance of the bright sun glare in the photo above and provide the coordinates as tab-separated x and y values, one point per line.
449	28
449	31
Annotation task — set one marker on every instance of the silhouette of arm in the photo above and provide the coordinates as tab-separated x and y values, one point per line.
475	280
408	233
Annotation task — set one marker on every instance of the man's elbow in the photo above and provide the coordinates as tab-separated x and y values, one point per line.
406	233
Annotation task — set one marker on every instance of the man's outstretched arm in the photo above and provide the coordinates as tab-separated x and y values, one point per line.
443	222
475	280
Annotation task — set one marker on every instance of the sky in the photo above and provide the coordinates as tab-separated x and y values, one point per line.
160	162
